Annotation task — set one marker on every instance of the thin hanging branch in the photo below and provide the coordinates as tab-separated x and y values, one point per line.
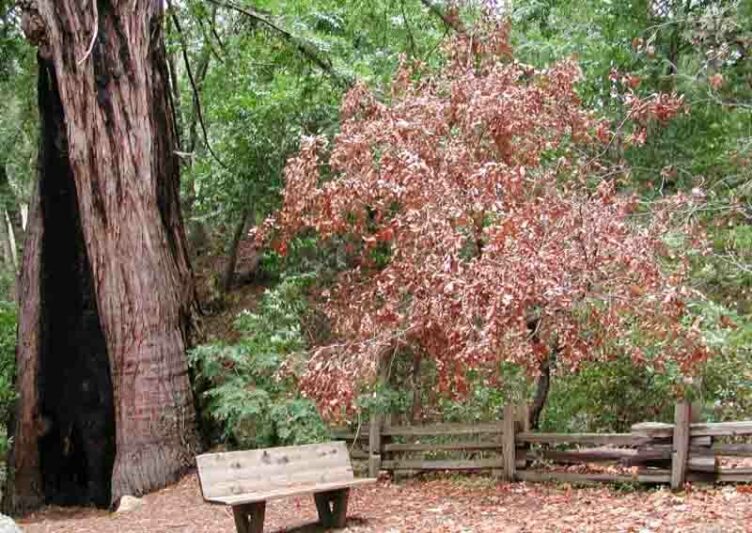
410	38
449	22
215	33
304	48
201	69
212	33
194	88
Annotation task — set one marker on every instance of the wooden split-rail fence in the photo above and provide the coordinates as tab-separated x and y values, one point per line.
651	452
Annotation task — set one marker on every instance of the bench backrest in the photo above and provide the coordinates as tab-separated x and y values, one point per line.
259	471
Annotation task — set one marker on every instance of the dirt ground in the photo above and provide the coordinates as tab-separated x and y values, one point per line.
439	505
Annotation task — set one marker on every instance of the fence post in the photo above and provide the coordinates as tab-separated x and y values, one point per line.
508	448
680	446
374	446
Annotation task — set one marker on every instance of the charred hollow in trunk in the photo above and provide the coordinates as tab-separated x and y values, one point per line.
77	444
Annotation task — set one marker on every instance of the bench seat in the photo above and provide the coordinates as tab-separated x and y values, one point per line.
246	480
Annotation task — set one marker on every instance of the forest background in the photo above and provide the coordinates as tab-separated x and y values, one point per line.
250	79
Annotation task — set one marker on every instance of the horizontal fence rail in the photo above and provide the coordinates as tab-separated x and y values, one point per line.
650	453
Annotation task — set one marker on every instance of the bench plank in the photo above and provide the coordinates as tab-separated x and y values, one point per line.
280	480
253	471
288	492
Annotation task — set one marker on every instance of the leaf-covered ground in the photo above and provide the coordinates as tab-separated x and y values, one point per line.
444	505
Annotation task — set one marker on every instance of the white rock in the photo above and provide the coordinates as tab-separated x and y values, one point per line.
129	503
7	525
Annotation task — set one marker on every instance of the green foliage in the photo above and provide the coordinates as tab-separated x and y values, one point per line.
259	94
243	388
486	400
259	116
608	396
8	321
18	113
298	422
18	134
726	383
262	88
384	399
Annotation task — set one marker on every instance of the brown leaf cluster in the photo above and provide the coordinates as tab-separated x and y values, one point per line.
507	237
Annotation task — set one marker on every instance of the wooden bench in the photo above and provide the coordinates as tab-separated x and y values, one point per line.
246	480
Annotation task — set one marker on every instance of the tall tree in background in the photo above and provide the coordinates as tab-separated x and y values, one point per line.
106	294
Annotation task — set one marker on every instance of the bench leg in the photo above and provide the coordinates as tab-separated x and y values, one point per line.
249	518
332	507
339	507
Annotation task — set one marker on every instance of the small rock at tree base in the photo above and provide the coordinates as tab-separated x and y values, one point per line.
128	503
7	525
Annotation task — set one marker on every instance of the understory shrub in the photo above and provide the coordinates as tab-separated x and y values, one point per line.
607	396
726	386
244	393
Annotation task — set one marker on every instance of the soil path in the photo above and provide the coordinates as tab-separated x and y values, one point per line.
445	505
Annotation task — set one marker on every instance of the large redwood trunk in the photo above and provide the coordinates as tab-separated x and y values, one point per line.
107	294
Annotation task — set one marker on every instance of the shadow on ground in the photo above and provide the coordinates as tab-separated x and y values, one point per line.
315	527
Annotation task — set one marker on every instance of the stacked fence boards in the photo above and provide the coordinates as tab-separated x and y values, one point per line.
650	453
407	449
443	447
703	454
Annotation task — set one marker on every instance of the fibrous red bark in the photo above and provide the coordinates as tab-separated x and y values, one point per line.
107	293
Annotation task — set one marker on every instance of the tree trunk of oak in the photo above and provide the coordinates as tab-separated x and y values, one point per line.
107	297
542	388
416	405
